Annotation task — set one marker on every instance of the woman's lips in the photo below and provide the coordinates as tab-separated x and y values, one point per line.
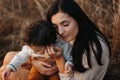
64	37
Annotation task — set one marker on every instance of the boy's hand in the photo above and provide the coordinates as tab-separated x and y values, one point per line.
68	69
54	51
6	73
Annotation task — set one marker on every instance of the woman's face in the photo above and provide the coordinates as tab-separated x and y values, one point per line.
66	26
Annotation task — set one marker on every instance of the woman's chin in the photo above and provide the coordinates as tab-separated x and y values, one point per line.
67	40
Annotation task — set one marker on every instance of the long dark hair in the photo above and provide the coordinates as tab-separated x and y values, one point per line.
87	37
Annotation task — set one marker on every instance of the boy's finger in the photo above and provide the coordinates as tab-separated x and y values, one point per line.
57	49
52	49
48	50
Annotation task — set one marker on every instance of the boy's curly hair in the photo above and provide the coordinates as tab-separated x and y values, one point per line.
39	33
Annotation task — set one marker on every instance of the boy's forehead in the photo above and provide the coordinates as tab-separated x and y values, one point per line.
36	48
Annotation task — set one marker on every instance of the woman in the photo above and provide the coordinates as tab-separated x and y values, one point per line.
91	50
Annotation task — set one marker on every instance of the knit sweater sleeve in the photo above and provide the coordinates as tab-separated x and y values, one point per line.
20	58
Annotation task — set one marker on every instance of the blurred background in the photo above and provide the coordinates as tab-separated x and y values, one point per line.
16	14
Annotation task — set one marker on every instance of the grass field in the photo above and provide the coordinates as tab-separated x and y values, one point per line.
16	14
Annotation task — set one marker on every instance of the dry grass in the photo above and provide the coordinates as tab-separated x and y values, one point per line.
16	14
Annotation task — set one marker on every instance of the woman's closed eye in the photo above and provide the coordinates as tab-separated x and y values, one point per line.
65	24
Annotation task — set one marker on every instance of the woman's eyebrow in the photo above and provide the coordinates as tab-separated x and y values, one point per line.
63	22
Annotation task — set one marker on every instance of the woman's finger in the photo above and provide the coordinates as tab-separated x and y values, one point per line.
50	70
45	64
44	68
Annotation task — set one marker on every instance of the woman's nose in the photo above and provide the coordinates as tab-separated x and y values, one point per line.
61	30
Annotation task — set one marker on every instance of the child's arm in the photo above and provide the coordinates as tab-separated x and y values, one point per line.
56	52
60	63
16	62
19	59
67	49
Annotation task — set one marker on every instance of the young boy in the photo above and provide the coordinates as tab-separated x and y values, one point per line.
37	38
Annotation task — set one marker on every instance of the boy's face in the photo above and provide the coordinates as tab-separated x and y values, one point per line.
38	49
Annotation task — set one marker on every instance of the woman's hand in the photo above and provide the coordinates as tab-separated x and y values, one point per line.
44	68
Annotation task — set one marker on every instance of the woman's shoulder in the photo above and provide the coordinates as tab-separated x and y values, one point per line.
105	50
104	44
